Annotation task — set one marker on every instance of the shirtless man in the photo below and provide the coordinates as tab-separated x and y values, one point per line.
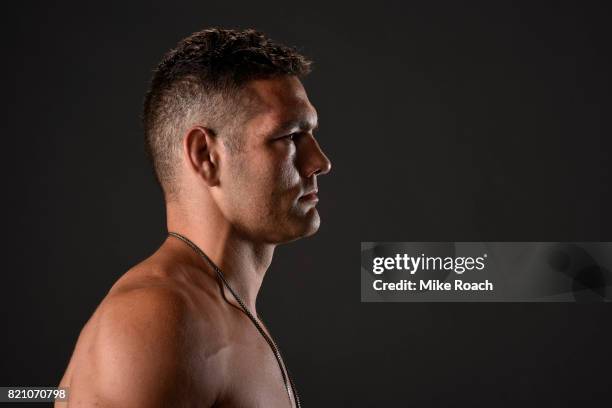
230	130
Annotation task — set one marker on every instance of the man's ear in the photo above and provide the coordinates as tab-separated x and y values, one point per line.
200	147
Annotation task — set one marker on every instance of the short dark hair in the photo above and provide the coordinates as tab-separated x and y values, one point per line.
199	81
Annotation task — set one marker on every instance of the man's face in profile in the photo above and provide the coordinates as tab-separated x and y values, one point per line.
267	185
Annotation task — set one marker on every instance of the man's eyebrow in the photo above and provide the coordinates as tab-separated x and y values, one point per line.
297	125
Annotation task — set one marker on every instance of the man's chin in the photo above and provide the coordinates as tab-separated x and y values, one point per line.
304	226
313	223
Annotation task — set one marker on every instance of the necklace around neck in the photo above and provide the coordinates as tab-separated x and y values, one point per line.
287	381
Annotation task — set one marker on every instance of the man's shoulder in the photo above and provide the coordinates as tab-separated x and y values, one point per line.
144	307
153	320
159	300
159	306
148	342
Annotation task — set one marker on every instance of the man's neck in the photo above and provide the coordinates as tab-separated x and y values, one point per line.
243	263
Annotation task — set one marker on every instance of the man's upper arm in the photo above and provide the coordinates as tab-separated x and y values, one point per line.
141	355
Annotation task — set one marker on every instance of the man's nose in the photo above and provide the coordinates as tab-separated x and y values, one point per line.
315	162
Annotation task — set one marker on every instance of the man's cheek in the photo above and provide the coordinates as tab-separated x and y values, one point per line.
288	177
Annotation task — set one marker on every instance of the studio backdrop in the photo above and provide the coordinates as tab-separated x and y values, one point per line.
454	130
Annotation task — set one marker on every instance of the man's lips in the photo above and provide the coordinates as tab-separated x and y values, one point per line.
312	196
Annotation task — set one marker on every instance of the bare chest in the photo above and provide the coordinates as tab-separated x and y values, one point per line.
254	377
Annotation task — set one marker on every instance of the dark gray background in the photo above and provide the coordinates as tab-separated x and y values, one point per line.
448	122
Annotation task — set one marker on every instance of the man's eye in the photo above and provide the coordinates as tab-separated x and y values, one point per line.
291	136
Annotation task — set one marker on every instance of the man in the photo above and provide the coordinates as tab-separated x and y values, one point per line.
230	131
